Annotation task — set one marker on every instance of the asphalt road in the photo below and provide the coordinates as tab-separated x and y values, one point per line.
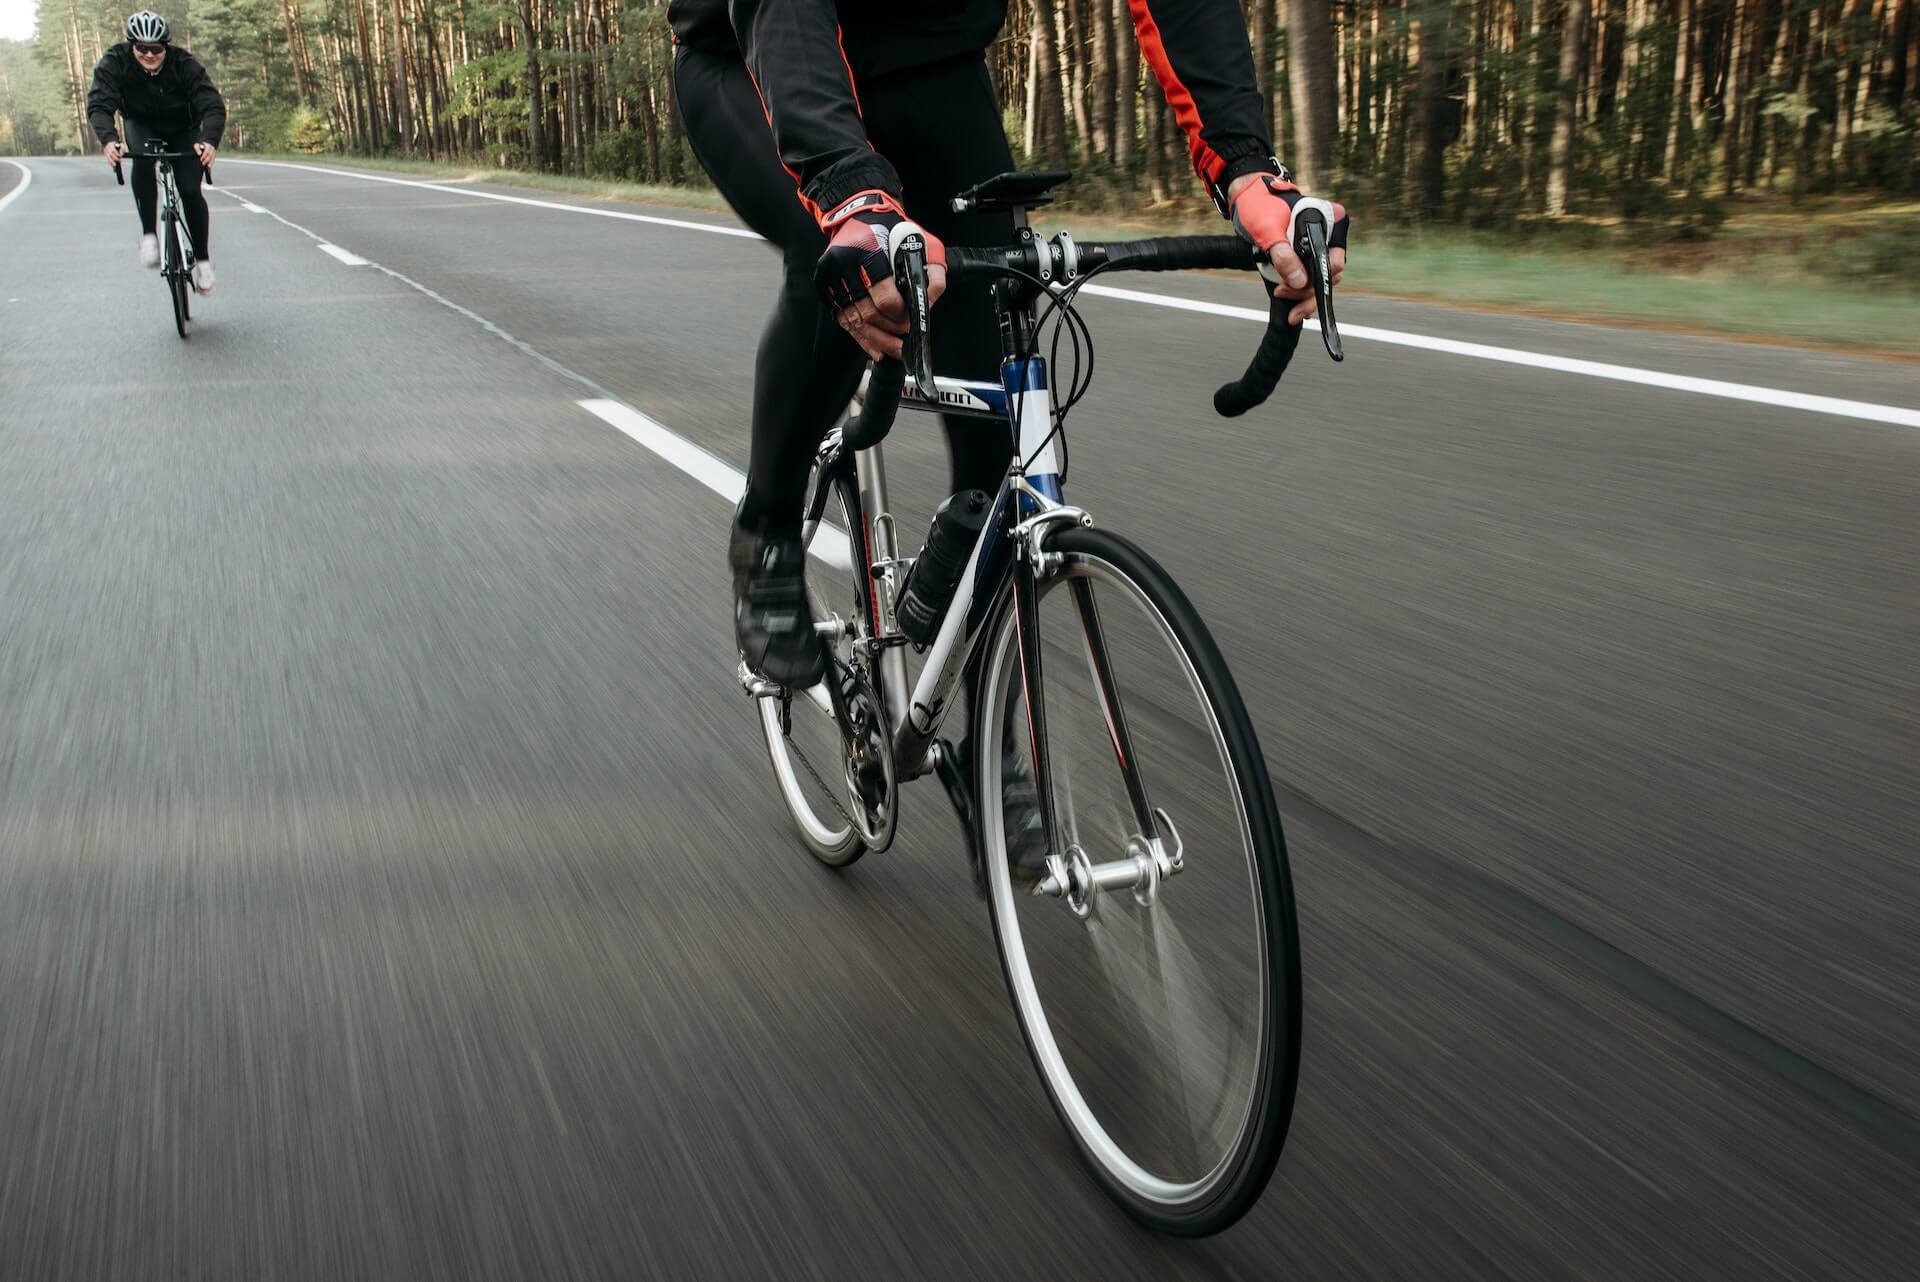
391	884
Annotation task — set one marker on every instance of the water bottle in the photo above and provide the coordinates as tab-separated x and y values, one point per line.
936	571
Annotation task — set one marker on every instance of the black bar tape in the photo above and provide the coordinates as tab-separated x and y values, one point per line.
1181	253
877	410
1269	363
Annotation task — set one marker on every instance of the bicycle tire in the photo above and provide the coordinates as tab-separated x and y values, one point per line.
1232	1186
834	839
176	275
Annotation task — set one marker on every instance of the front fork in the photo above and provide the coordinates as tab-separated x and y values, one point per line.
1154	852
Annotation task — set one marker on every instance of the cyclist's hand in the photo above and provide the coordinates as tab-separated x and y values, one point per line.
1262	209
205	151
113	151
855	275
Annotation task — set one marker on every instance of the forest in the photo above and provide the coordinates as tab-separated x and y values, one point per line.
1479	112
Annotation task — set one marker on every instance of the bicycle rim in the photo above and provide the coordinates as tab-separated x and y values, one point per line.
176	273
1166	1031
806	752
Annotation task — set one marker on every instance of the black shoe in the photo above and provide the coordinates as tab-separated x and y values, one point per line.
1019	810
772	621
952	768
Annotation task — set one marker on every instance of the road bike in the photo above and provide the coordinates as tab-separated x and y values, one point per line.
176	243
1121	820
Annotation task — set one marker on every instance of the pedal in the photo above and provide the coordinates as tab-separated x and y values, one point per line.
946	764
757	686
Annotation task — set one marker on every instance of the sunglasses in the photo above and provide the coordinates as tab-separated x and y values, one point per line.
151	49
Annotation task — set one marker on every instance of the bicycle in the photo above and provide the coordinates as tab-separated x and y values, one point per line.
1186	1145
176	244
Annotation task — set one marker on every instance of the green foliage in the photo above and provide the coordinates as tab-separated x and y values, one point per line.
34	116
308	131
1885	253
621	154
260	126
1641	155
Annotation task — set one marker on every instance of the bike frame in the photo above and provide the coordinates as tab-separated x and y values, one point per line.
1010	554
169	211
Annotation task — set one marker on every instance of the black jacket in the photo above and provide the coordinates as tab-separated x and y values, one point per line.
177	98
1197	48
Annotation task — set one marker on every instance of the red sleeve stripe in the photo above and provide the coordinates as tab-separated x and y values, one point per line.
1206	162
768	113
840	41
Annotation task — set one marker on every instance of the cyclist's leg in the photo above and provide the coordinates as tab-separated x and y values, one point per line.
146	198
806	368
193	201
940	126
804	373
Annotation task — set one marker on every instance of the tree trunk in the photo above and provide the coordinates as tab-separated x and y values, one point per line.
1538	117
1902	43
376	120
293	49
435	84
78	80
536	108
1435	54
1158	187
1682	82
1560	157
1051	144
1315	102
402	109
1732	106
1073	73
1126	64
1098	15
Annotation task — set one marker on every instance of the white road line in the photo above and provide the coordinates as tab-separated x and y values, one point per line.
26	181
718	475
509	200
1867	410
723	478
350	259
1779	397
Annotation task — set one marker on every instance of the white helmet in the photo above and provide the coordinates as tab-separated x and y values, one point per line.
147	28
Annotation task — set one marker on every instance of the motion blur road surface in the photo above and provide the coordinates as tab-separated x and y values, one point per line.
392	884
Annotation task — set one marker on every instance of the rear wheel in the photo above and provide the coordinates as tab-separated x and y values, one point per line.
1152	954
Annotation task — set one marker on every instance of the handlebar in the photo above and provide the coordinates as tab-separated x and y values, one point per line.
206	170
1060	261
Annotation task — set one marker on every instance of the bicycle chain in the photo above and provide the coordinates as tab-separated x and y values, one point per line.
832	800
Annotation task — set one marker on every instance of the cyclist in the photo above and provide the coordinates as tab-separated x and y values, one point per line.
165	95
871	112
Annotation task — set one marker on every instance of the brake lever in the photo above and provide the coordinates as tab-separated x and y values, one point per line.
907	246
1310	242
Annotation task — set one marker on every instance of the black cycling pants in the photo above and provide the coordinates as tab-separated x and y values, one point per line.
186	177
940	126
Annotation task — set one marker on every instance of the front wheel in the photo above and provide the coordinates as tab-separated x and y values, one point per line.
175	269
1151	952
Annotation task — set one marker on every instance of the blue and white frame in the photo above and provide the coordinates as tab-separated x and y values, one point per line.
1022	404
